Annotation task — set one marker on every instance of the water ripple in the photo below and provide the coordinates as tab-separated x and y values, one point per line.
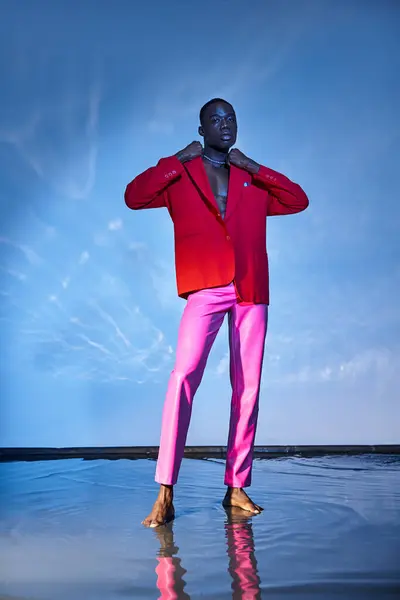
72	530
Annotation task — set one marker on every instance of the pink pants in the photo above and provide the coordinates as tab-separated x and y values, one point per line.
243	566
201	320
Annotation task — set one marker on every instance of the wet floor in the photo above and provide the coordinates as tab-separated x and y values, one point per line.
70	530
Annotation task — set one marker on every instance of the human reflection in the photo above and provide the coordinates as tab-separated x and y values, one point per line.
169	570
242	559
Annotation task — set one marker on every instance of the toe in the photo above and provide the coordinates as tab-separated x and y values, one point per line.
148	521
255	509
250	507
157	522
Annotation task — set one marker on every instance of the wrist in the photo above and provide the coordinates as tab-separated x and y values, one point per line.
253	167
180	156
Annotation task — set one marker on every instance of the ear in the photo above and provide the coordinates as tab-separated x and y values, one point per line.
201	131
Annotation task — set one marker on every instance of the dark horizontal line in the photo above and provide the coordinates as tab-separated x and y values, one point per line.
199	452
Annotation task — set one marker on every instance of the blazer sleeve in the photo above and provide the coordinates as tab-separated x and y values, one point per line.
285	197
148	190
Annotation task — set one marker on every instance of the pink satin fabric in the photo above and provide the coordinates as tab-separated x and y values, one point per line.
242	564
201	320
170	580
242	560
169	570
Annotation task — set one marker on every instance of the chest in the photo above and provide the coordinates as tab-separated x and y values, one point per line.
193	199
219	180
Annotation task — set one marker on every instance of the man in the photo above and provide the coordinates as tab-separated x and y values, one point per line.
218	200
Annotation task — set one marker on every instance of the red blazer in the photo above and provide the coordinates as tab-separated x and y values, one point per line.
211	251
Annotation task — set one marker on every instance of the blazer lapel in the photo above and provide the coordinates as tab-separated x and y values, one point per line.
238	178
198	175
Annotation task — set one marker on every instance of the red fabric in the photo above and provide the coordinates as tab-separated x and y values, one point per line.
211	251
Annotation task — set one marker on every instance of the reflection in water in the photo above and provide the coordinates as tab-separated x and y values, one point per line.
242	561
69	530
169	570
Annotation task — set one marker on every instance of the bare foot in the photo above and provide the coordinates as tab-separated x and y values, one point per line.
237	516
163	510
237	497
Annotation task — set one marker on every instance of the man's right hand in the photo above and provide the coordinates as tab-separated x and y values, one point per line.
193	150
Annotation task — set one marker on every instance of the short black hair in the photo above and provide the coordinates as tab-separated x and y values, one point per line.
212	101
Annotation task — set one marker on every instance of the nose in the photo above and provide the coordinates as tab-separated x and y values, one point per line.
224	124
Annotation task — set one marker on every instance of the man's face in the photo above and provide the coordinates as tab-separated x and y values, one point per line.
219	127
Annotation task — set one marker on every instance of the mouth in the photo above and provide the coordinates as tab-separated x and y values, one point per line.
226	137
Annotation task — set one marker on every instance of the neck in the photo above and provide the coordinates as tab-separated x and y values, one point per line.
217	155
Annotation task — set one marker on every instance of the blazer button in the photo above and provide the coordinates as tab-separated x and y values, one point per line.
228	237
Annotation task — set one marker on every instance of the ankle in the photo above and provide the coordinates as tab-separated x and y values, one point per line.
166	491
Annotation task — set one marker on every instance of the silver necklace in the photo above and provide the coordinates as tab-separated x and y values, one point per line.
212	160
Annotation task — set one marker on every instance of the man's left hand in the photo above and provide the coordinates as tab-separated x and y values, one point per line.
240	160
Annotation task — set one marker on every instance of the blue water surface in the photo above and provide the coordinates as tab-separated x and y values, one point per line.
70	530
